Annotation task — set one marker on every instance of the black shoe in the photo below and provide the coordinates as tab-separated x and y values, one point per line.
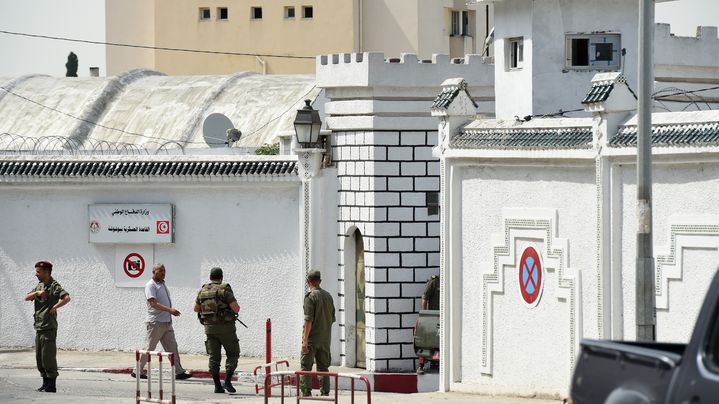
184	375
218	385
50	388
142	375
228	384
44	384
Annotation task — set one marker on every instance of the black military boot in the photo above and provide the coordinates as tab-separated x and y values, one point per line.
228	381
218	385
44	384
50	388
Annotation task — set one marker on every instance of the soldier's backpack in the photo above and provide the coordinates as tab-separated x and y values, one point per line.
213	309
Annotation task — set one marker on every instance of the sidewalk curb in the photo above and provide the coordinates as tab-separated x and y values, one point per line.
406	383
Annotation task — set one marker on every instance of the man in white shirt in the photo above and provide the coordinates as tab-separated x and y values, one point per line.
159	321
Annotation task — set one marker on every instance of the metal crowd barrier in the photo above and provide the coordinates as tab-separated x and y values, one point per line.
160	355
268	372
298	373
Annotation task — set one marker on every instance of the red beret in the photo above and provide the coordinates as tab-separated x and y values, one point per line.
43	265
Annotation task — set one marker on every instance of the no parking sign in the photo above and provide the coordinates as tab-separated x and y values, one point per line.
531	276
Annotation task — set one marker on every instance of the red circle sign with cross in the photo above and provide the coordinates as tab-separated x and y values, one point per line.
530	276
134	265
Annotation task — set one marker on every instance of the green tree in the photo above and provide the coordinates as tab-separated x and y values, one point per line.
268	149
71	65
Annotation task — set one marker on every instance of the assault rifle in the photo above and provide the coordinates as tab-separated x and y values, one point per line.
234	315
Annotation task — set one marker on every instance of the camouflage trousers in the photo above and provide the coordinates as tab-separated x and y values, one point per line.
219	336
46	352
321	355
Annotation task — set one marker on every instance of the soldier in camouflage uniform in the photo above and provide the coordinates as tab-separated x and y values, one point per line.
319	311
217	309
48	296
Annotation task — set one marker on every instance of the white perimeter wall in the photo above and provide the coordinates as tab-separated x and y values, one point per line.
529	349
251	230
684	204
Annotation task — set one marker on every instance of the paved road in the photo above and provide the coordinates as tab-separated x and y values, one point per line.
18	386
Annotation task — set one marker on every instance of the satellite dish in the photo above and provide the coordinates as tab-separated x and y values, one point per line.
214	129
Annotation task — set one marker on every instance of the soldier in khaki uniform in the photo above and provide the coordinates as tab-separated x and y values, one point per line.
48	296
319	311
217	309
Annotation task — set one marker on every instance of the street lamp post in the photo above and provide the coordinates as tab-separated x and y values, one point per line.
309	156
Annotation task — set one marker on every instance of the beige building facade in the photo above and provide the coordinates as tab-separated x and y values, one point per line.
283	37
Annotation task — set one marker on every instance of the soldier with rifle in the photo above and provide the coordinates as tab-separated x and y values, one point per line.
217	309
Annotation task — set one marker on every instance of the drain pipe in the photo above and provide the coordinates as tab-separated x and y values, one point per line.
262	63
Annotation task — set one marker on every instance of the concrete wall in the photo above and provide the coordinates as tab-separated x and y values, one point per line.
508	347
249	229
118	14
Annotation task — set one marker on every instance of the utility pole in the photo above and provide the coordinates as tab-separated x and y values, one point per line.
646	300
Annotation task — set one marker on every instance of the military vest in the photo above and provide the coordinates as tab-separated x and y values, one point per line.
213	306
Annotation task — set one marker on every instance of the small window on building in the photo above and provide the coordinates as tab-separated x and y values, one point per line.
289	12
222	13
515	53
456	28
256	13
432	199
204	13
308	12
593	51
465	23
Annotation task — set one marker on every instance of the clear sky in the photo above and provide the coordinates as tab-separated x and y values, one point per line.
84	19
69	18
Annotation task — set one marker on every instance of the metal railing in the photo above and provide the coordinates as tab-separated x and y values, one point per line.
171	357
298	373
268	372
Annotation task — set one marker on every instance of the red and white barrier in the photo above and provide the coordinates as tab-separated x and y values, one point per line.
171	357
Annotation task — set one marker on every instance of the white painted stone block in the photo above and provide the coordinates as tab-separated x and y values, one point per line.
413	169
413	138
432	138
386	229
385	351
354	183
426	184
400	336
385	260
379	244
420	214
383	320
376	215
400	214
409	320
400	305
341	168
378	153
423	275
345	183
414	229
427	244
414	199
377	305
399	153
349	198
386	198
407	350
340	138
413	260
376	274
423	153
380	183
355	153
382	289
385	138
400	184
349	168
364	214
400	275
344	214
354	213
412	289
403	365
360	168
433	229
400	244
364	152
382	168
433	259
433	168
